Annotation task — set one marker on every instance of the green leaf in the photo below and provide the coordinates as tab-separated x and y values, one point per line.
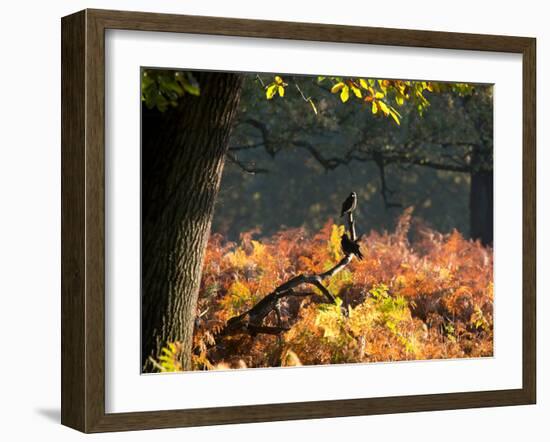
188	82
191	89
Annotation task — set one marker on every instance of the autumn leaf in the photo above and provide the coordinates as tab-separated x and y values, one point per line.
344	95
270	91
337	87
395	117
384	107
355	90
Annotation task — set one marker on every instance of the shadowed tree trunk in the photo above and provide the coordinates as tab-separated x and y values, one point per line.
183	153
481	207
481	202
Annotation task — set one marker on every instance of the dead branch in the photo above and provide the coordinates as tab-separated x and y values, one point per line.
251	321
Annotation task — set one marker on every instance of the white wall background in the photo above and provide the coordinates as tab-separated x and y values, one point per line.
30	217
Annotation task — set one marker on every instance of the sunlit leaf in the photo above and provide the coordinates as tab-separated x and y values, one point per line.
383	107
395	117
344	95
356	90
337	87
271	91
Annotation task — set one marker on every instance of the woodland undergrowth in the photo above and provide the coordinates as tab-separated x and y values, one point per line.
417	294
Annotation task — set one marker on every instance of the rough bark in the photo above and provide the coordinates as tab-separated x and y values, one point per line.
183	155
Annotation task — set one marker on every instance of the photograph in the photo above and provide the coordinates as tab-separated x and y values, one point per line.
295	220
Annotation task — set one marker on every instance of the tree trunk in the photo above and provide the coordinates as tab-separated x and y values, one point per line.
481	206
183	154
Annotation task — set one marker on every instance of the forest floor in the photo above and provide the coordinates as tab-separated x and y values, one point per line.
417	294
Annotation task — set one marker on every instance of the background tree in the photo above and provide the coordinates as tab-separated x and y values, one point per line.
448	137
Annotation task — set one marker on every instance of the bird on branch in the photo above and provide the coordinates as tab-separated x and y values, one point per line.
349	204
351	247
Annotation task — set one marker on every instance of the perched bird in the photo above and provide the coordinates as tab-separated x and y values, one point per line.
349	204
350	247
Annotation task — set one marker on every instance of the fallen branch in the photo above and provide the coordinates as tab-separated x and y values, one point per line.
251	321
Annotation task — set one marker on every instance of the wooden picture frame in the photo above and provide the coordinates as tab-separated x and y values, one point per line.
83	220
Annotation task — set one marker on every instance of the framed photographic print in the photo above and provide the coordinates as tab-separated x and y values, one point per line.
267	221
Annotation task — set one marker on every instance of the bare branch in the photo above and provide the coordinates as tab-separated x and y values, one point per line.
260	80
439	166
380	162
264	133
251	321
245	147
248	168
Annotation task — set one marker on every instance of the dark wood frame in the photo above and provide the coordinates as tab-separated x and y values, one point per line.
83	216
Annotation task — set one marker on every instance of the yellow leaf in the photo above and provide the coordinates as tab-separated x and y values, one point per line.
271	91
291	359
337	87
363	83
356	91
395	111
281	91
374	107
379	95
334	246
399	100
395	117
384	108
239	290
278	80
344	95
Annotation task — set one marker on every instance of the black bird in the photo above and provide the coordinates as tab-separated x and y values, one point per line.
349	204
350	247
